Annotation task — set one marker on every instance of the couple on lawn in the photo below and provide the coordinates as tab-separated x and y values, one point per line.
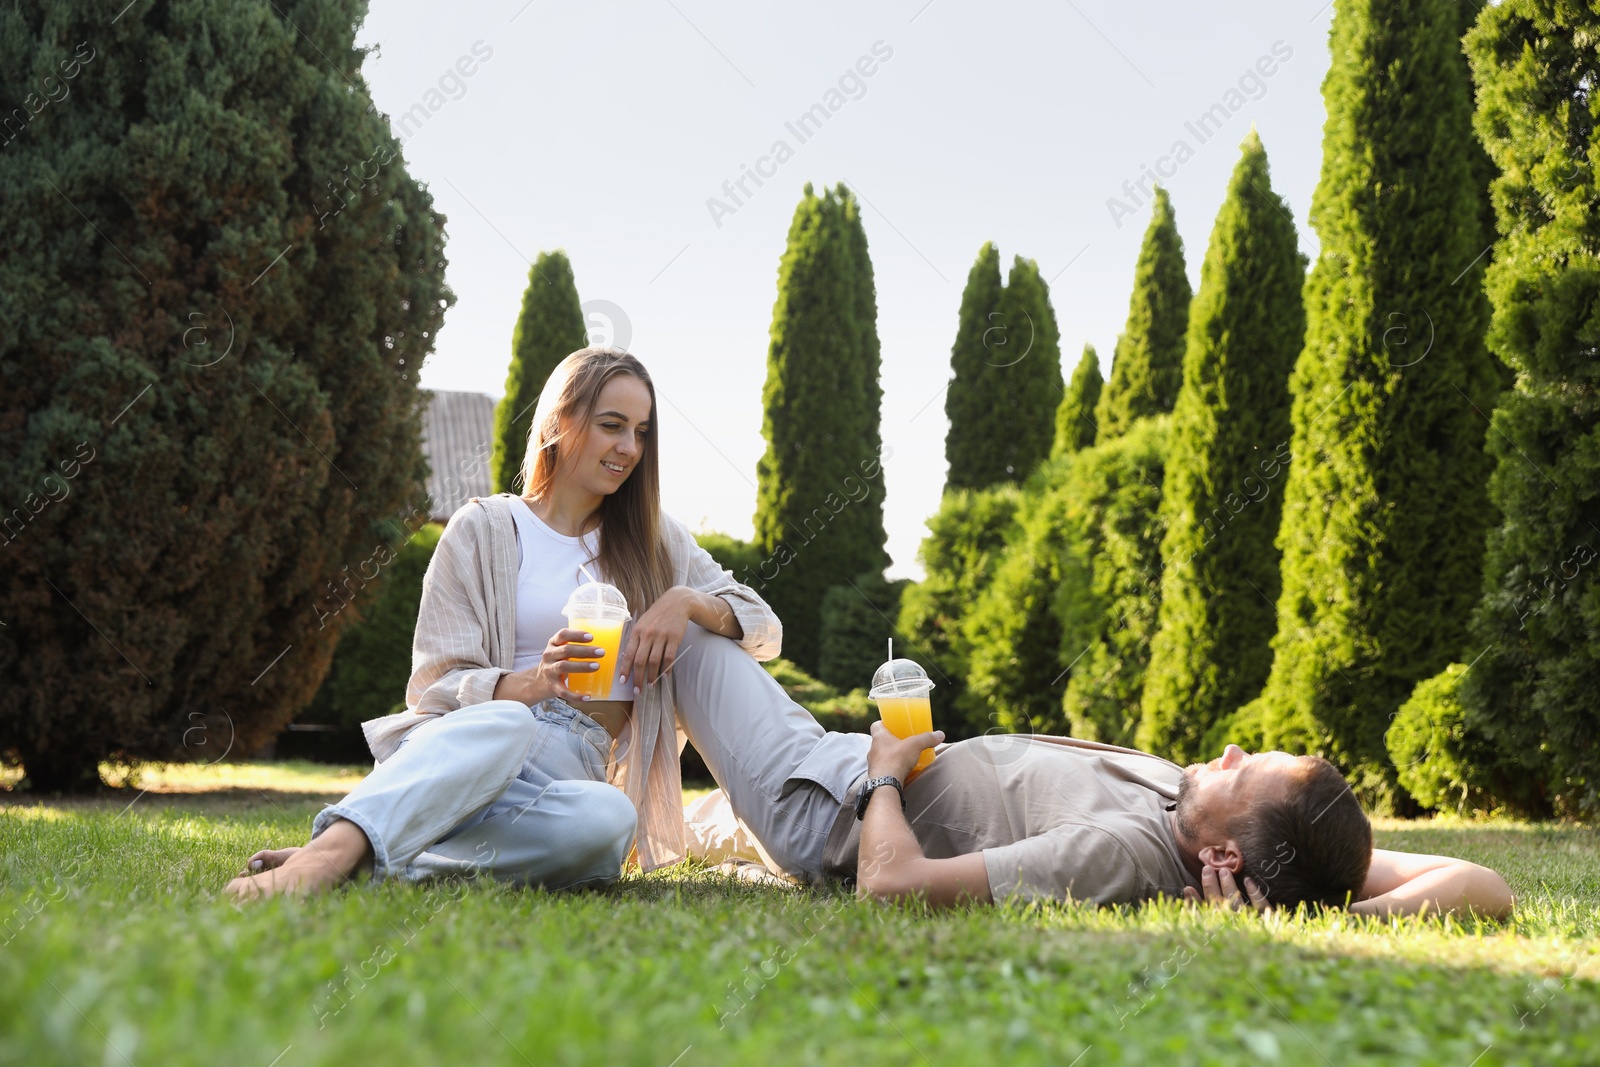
498	767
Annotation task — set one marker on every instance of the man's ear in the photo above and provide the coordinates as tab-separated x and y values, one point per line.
1224	855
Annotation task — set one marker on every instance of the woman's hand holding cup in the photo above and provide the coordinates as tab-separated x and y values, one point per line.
564	655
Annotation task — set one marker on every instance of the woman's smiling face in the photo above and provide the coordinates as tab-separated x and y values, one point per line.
614	439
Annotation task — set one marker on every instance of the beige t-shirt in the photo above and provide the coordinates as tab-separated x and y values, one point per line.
1054	817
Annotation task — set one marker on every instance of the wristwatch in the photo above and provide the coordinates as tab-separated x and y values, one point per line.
877	783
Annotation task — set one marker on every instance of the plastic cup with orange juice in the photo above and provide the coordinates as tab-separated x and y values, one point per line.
901	689
599	609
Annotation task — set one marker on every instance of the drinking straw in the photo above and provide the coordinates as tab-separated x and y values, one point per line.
891	648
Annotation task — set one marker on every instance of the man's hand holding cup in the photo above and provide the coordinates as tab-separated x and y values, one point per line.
895	756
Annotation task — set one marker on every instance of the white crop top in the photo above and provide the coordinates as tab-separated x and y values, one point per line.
547	573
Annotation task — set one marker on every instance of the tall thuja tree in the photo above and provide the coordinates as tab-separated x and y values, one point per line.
819	509
1480	166
549	329
1147	367
975	395
1385	509
218	286
1026	352
1528	697
1483	174
1225	469
1075	425
1007	363
863	530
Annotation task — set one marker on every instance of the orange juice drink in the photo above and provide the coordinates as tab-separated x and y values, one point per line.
601	610
901	689
904	716
608	636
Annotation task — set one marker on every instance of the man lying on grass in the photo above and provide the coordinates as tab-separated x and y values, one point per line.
1034	816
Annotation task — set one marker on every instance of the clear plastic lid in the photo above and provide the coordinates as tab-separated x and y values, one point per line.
596	600
900	678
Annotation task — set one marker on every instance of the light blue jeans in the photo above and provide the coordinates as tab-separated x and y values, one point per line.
498	788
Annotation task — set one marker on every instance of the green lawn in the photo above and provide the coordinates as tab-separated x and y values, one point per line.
117	950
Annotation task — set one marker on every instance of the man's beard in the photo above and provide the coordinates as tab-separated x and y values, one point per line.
1184	811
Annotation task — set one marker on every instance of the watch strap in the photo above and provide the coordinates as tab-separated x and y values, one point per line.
874	784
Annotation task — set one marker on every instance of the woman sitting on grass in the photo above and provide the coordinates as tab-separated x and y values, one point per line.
493	767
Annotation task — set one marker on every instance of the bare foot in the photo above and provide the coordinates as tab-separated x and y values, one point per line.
266	860
312	874
327	861
759	873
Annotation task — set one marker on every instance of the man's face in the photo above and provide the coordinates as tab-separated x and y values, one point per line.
1211	794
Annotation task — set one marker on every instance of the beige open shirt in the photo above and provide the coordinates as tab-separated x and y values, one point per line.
466	639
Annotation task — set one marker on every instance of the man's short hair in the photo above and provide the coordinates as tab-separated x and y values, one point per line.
1313	845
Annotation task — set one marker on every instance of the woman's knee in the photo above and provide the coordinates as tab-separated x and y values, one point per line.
511	721
621	820
609	819
703	651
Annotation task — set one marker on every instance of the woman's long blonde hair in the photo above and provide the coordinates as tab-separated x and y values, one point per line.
633	556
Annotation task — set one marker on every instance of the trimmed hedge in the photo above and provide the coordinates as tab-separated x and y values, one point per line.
372	663
1436	757
857	622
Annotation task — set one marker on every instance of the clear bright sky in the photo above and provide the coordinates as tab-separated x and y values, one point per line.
604	129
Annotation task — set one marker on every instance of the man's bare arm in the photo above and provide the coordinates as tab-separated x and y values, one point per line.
1409	883
891	864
